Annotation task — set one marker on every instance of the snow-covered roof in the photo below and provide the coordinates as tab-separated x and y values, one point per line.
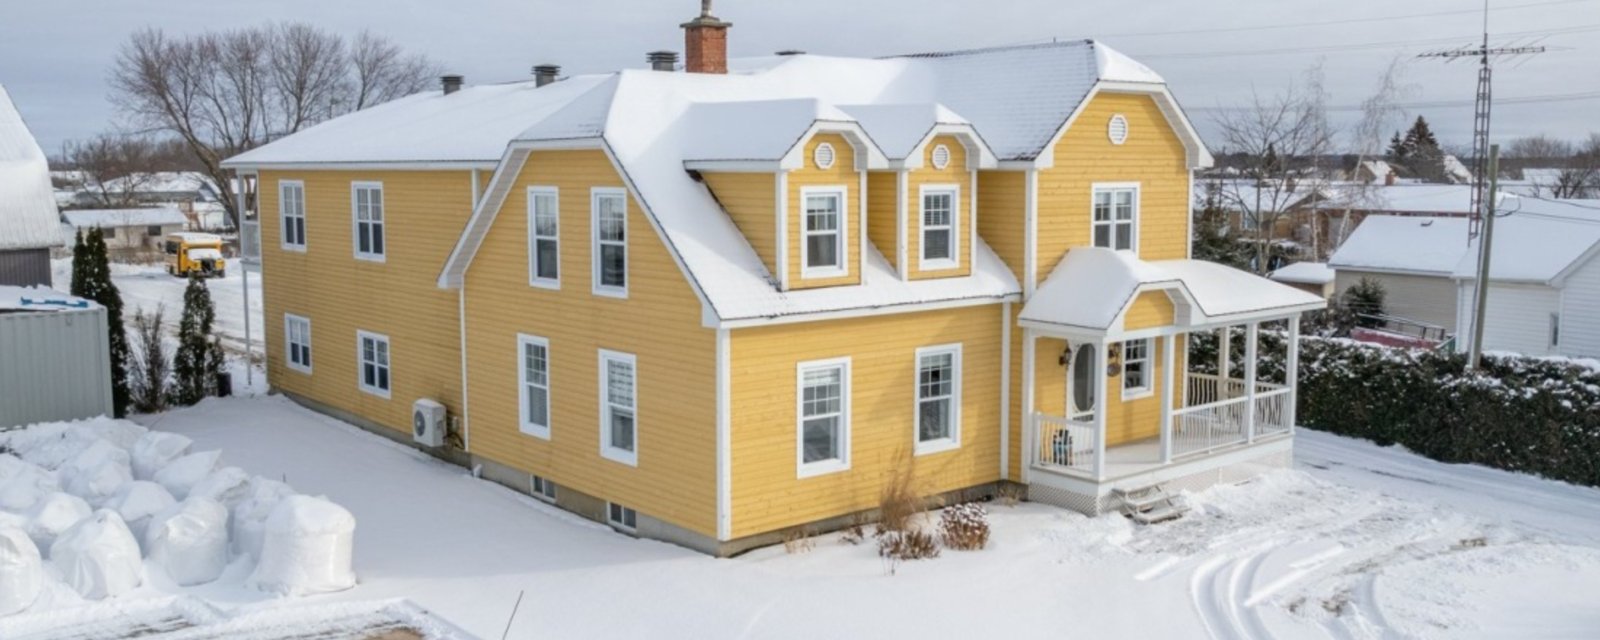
1446	199
899	128
13	298
1304	273
1406	244
87	218
753	129
1538	242
1092	286
28	218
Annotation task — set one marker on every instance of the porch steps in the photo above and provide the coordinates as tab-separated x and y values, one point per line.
1151	504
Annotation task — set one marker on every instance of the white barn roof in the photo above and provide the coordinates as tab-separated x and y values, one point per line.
28	217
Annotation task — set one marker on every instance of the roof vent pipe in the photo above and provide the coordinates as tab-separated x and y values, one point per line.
451	83
545	74
663	60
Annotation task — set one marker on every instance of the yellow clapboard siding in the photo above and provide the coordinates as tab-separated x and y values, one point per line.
883	207
1153	156
1002	216
423	212
1139	418
842	175
767	495
955	175
750	199
1150	309
659	323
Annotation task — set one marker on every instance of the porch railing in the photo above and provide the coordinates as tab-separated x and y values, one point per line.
1205	389
1215	415
1064	443
1272	411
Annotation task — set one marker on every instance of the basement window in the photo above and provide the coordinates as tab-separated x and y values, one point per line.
543	489
622	517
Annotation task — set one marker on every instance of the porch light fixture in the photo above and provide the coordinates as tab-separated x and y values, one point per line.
1066	355
1114	360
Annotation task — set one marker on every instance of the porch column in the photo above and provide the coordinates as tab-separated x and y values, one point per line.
1030	427
1251	332
1169	346
1291	371
1101	407
1224	353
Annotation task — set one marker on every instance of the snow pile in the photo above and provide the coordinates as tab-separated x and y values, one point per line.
53	515
190	540
138	502
98	557
97	473
228	485
307	549
21	571
155	450
26	484
249	524
181	475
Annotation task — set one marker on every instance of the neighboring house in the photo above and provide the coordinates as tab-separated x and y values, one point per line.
55	362
160	187
714	307
1413	258
130	230
29	226
1312	277
1544	281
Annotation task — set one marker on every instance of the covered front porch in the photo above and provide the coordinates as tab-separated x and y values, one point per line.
1141	373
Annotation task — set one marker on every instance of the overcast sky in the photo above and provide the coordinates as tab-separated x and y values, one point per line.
54	54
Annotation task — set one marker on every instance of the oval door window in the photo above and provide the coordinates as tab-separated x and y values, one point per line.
1083	371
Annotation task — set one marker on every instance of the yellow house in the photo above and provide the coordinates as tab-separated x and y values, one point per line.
712	307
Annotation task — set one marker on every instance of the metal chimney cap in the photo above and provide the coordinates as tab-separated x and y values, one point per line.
451	83
663	60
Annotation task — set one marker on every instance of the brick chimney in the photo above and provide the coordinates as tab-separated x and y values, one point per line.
705	46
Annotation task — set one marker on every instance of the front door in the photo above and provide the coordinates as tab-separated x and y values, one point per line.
1080	384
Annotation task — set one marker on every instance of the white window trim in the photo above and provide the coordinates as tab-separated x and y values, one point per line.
283	216
1149	360
841	192
1100	187
355	223
361	381
619	524
941	444
594	246
954	261
821	467
630	458
288	344
526	425
534	482
533	237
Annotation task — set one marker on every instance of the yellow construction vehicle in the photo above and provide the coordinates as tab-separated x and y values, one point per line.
195	253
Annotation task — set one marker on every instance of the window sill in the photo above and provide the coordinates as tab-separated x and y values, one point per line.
630	458
821	468
381	393
938	265
611	292
542	433
545	283
819	274
297	368
372	257
1137	394
293	248
936	446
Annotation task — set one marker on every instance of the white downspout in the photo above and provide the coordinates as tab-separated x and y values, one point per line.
461	319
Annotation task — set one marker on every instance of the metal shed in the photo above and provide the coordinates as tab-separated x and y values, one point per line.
54	357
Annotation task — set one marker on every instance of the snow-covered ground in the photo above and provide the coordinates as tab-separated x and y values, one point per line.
1356	542
144	287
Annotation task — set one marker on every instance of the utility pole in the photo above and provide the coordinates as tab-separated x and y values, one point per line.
1482	195
1480	297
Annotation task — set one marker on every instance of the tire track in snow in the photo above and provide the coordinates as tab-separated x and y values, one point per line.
1220	590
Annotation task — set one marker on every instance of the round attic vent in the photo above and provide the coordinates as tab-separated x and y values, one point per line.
824	156
941	157
1117	129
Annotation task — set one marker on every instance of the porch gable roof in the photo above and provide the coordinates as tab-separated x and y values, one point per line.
1092	288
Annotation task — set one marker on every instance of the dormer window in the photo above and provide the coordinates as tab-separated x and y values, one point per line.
822	248
939	213
1116	216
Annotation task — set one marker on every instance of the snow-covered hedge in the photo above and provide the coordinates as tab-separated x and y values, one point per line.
1534	415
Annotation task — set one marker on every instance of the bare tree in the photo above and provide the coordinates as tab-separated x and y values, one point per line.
1379	112
1277	139
114	167
1577	167
225	92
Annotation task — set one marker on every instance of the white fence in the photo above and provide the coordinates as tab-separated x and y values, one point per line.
1064	443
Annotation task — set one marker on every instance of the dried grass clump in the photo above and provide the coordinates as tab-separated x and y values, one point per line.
965	527
798	541
899	502
907	545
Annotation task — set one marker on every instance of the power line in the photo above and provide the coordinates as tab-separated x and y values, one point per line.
1296	25
1440	104
1364	45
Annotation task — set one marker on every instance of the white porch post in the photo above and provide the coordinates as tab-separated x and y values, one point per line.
1291	373
1224	352
1168	362
1251	332
1102	357
1030	427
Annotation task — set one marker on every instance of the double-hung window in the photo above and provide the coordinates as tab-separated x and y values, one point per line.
1136	375
938	398
610	242
940	211
822	246
297	342
823	401
534	387
366	202
544	245
372	351
1116	217
619	410
292	214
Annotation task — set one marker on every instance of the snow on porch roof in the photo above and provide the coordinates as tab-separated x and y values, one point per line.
1092	286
